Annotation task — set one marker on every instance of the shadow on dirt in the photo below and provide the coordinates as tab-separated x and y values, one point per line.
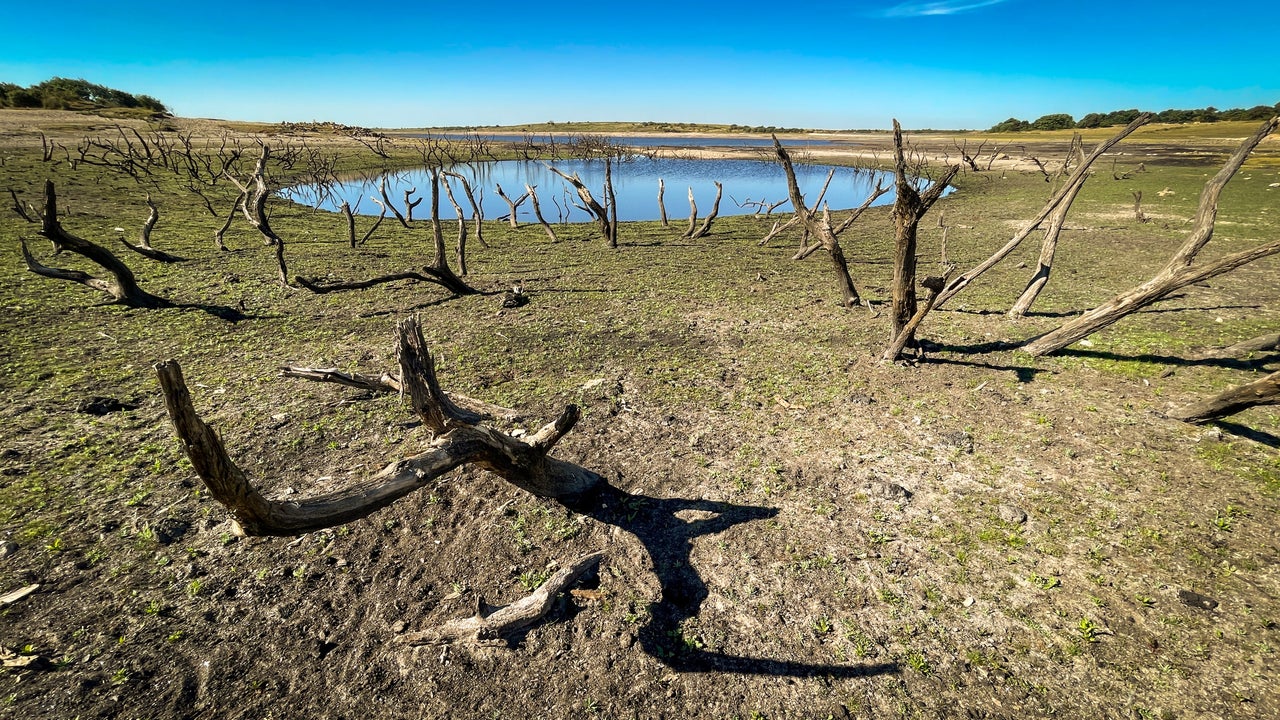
668	539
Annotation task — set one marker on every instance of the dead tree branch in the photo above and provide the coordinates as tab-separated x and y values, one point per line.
1263	391
143	247
513	204
523	462
705	229
532	192
1179	272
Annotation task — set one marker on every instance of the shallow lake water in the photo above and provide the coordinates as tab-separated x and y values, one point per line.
635	183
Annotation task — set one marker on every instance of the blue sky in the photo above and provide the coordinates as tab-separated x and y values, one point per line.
941	64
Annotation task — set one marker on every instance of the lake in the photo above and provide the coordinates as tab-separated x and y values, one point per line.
645	141
635	184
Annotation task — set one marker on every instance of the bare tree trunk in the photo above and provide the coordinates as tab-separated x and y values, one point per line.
123	287
477	209
409	205
1263	391
143	247
439	268
933	285
461	254
351	222
513	204
590	205
531	191
693	214
254	206
909	208
217	236
1077	178
662	207
1178	272
612	199
705	228
458	441
1137	208
386	202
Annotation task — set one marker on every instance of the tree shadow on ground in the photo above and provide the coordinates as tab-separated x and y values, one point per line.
1228	363
1248	433
668	539
1025	374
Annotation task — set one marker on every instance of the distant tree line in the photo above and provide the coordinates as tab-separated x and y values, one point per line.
66	94
1063	121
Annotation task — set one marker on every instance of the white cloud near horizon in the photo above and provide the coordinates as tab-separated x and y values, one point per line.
938	7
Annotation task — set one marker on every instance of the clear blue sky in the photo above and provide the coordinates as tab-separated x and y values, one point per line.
944	64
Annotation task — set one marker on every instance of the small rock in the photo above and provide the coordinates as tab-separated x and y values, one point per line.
960	439
861	400
8	548
103	406
1196	600
9	454
968	602
1011	514
399	626
892	491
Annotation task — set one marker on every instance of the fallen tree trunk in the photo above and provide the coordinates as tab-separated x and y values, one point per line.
459	441
1263	391
1262	343
1179	271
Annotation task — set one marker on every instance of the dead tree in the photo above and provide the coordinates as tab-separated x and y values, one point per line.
908	210
705	228
351	222
477	208
387	204
410	204
1069	189
143	247
601	215
827	235
611	201
460	440
254	206
932	285
1048	248
532	192
122	287
1263	391
1180	271
1137	208
388	383
662	207
513	204
460	248
693	214
226	225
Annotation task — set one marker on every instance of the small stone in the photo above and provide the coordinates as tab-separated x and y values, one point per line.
892	491
399	626
8	548
968	602
1011	514
1196	600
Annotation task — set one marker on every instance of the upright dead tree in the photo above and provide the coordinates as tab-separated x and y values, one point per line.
532	192
1180	271
514	205
122	287
477	208
1065	194
460	440
143	247
439	268
705	228
461	247
226	225
410	203
607	229
254	206
908	210
388	205
611	202
693	214
662	207
821	228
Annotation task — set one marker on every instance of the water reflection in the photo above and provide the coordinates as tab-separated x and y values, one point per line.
746	182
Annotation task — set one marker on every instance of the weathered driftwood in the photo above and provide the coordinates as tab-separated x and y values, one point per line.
1263	391
493	624
122	287
1069	189
459	440
1179	272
